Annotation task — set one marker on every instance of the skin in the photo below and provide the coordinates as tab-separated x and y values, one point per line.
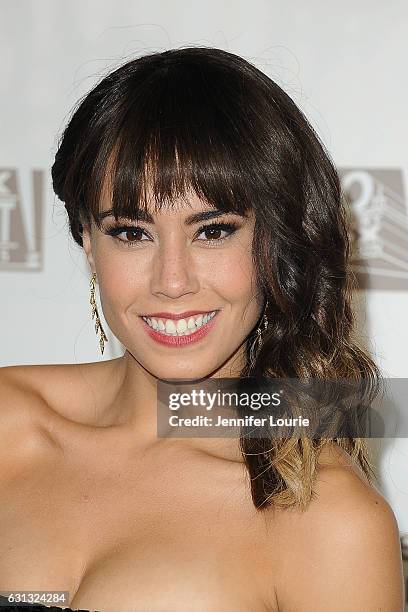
96	504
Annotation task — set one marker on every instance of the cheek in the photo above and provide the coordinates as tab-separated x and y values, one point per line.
117	279
235	274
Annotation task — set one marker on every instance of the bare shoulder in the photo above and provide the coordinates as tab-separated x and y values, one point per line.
43	379
343	549
65	389
32	399
20	396
22	411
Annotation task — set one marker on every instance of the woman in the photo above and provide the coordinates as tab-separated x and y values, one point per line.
209	210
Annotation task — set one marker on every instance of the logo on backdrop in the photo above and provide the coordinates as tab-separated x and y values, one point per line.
379	233
21	217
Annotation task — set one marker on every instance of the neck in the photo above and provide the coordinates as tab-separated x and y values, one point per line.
132	407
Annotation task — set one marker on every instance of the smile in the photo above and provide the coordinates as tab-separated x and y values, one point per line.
182	331
181	327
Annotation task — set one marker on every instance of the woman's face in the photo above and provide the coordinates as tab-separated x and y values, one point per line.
174	264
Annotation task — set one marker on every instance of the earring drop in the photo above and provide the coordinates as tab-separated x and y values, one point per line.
98	324
258	341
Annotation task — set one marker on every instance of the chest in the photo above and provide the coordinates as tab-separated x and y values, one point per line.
131	540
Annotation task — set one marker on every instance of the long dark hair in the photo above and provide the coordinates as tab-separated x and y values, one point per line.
208	120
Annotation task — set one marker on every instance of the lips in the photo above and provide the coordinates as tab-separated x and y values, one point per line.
175	316
180	341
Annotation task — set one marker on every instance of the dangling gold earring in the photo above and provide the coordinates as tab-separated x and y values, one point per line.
257	343
98	324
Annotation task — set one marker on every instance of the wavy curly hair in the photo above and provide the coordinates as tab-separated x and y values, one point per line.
205	119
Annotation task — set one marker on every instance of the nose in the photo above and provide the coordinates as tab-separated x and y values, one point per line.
174	272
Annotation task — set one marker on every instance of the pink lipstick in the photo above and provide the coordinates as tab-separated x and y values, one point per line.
177	341
176	317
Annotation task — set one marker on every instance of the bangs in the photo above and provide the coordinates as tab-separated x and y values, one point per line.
178	129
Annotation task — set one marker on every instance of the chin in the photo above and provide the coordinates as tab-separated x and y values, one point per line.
187	374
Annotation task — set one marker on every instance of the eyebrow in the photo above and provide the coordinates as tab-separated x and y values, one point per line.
204	215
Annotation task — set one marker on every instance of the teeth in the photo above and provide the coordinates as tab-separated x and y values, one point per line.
170	327
181	327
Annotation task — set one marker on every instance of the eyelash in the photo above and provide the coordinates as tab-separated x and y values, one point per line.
116	230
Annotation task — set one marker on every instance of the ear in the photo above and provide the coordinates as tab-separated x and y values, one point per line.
87	245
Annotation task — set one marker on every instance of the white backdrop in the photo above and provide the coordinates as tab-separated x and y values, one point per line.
343	63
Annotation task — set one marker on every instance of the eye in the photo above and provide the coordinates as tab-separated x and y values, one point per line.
214	229
129	234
